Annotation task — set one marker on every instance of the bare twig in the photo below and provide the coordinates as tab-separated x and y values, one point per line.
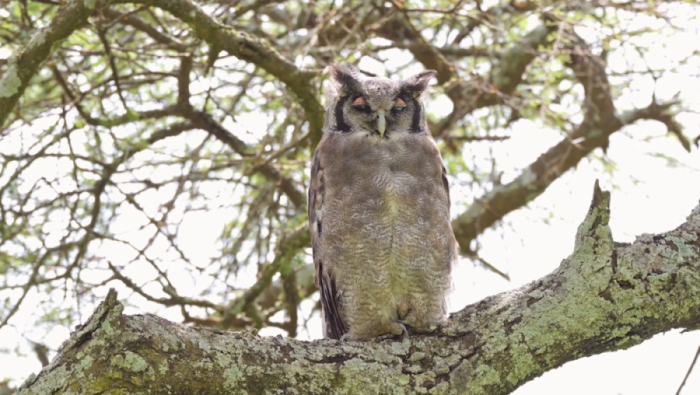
690	369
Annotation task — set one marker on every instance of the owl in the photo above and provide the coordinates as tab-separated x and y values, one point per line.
379	210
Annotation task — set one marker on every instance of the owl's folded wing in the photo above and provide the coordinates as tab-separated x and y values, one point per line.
446	184
333	325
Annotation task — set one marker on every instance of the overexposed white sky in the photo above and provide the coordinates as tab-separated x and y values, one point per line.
650	195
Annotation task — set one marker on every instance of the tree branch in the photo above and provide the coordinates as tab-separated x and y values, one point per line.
25	64
599	123
605	296
287	248
249	49
151	31
476	93
400	29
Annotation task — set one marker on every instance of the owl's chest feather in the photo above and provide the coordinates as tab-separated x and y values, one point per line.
380	183
390	165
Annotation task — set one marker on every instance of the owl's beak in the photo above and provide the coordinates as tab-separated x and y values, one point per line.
381	123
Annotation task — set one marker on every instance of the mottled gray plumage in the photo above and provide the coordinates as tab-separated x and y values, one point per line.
379	209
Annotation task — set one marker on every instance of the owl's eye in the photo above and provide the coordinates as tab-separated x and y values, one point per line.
399	105
361	105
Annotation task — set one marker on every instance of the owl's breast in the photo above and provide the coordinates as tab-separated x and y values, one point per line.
387	180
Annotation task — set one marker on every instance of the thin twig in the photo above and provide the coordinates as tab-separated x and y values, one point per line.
690	369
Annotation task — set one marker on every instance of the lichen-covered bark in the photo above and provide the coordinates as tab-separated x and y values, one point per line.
605	296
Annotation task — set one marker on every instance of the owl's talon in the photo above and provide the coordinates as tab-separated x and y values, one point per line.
383	337
404	330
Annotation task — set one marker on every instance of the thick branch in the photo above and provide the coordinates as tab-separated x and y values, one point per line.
537	177
605	296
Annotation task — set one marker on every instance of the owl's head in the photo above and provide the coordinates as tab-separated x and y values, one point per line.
377	105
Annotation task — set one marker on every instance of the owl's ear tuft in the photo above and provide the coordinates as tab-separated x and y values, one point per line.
345	78
417	84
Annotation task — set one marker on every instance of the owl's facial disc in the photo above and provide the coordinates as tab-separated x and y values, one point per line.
379	110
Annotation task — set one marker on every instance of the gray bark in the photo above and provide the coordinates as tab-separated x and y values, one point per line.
605	296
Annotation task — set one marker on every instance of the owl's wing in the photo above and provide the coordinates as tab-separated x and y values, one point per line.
446	184
333	325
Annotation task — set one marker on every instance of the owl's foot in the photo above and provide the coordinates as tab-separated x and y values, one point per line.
383	337
394	330
397	329
432	328
428	328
